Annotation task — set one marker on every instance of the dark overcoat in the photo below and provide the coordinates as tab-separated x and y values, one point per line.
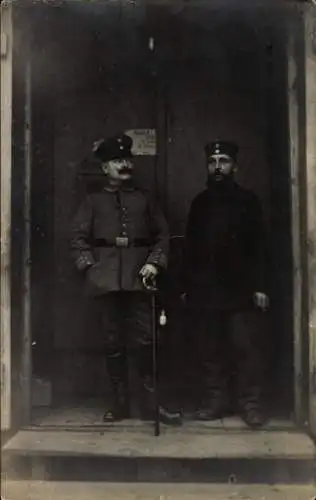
225	259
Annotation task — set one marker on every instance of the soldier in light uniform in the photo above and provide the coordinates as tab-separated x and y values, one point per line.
120	237
225	287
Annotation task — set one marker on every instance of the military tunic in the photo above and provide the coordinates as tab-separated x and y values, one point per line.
114	234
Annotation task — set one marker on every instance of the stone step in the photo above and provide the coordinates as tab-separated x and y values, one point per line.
42	490
190	454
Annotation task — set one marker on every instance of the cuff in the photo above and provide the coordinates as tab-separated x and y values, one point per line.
157	258
84	261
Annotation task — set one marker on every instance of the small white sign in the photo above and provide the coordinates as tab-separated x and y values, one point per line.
144	141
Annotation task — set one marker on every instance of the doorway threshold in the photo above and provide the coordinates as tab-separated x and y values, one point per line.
89	416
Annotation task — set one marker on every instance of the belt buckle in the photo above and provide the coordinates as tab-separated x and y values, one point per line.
122	241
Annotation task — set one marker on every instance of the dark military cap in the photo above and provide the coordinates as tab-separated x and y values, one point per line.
221	147
113	148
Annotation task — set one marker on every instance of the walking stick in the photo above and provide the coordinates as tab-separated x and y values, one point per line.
151	287
155	363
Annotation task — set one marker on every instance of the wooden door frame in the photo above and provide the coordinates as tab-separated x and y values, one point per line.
302	194
301	57
310	106
6	166
15	387
297	195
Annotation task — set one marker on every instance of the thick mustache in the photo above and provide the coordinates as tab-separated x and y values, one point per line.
125	170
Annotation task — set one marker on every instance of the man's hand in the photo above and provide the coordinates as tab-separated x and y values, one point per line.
149	271
183	297
261	300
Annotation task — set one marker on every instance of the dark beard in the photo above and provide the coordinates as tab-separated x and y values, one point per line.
225	182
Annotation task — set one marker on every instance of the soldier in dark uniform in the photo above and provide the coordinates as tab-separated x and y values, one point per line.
119	238
224	283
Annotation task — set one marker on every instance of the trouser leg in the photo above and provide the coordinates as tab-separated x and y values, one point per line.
141	334
248	345
212	356
111	308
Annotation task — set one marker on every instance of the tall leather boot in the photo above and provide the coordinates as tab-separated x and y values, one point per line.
253	414
214	403
119	405
212	407
147	398
251	407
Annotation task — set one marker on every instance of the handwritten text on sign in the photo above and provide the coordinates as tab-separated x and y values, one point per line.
144	141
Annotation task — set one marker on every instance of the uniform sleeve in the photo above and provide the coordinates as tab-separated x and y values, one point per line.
190	240
80	240
160	233
260	247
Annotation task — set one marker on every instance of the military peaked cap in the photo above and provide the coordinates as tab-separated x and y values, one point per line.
221	147
113	148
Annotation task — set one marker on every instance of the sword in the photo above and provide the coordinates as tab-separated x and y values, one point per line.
150	285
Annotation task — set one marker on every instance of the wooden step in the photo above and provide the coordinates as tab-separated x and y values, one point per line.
42	490
192	453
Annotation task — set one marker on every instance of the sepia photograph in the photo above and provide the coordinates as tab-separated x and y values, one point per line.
158	249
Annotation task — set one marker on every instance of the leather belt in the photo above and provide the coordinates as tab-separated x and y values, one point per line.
122	242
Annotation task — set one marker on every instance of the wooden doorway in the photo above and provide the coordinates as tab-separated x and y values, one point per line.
194	102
